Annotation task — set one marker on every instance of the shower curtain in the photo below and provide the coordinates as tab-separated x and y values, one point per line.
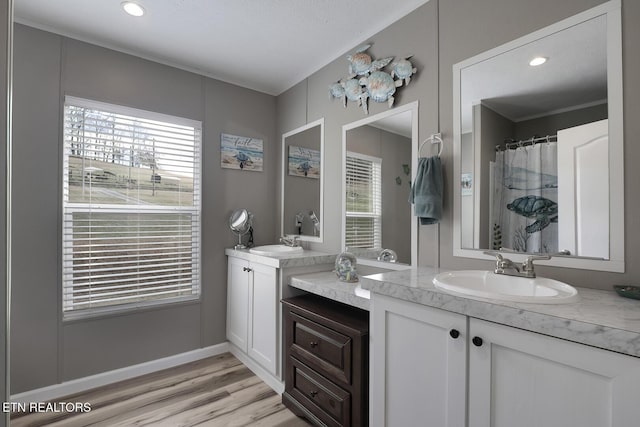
524	206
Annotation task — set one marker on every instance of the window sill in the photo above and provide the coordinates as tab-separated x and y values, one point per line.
136	308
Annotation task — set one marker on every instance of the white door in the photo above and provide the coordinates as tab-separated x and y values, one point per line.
418	365
237	301
524	379
583	189
263	321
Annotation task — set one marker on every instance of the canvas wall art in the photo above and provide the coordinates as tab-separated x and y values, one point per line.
304	162
239	152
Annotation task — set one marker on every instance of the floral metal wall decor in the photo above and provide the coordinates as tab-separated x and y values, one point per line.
367	79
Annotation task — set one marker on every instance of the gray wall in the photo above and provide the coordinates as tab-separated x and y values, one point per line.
5	22
492	129
551	124
45	350
416	34
440	34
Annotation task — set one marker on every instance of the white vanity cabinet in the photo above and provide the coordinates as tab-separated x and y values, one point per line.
525	379
418	359
422	376
255	286
252	311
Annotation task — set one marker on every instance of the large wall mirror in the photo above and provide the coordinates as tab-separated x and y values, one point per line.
379	162
538	145
302	182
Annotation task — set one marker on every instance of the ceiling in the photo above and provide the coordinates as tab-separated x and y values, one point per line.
574	76
266	45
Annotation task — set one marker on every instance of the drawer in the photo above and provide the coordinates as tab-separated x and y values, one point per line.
324	349
327	401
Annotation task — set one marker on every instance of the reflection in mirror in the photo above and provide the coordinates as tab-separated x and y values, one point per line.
538	148
302	181
378	169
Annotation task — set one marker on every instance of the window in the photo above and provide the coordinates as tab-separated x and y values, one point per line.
364	201
131	208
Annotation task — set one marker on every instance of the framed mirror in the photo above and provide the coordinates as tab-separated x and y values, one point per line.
302	182
379	163
538	145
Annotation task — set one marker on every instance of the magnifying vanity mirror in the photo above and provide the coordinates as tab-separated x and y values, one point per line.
379	162
302	182
538	145
241	223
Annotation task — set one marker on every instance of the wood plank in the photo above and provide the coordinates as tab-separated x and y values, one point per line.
217	391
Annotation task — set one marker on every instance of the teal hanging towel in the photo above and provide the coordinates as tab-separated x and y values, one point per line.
426	193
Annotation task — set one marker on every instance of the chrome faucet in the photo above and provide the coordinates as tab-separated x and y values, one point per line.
299	219
507	267
292	241
316	222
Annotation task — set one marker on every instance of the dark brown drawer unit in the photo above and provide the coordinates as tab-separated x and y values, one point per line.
326	363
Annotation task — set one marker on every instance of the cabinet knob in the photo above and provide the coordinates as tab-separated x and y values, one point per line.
313	344
454	333
477	341
313	393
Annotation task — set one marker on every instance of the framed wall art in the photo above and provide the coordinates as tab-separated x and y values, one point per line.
240	152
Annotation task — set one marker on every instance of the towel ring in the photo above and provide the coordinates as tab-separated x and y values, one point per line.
436	138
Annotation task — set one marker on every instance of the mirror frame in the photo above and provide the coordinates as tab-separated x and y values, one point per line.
616	262
413	107
320	122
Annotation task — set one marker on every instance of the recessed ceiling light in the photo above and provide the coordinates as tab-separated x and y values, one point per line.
132	8
538	60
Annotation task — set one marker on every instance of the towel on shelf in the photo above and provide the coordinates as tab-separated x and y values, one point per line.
426	192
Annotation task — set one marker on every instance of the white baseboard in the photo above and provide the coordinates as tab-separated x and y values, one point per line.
87	383
263	374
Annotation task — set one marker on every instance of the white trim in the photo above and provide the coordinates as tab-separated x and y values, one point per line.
616	262
105	378
273	382
130	111
285	168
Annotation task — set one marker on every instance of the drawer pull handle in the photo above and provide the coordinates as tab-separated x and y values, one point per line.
247	269
454	333
477	341
313	393
313	344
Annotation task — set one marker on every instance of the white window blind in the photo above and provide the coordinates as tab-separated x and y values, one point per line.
131	208
363	201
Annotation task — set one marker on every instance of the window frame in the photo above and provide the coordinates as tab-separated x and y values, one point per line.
68	208
376	212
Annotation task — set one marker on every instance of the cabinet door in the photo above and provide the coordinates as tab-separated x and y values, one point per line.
263	321
418	368
524	379
237	302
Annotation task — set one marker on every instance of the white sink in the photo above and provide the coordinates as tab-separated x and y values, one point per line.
276	250
487	284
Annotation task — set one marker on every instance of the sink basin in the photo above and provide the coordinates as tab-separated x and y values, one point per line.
487	284
276	250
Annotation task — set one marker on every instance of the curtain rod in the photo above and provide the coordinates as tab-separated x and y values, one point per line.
511	143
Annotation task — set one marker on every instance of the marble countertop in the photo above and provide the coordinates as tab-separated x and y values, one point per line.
599	318
303	259
327	285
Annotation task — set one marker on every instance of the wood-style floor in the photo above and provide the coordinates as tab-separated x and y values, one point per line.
217	391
